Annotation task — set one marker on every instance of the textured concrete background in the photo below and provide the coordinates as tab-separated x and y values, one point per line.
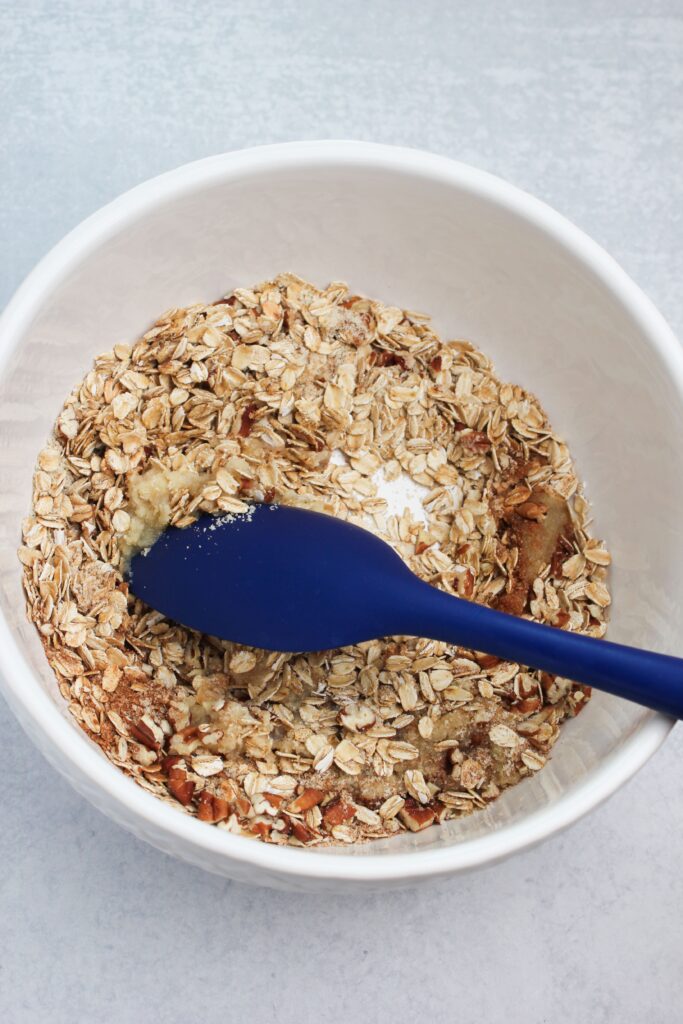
579	102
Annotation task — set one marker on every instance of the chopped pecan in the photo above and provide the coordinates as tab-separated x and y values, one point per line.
416	817
212	808
580	697
286	829
247	421
143	734
304	801
547	680
260	828
242	805
440	810
337	812
297	829
464	582
476	440
181	787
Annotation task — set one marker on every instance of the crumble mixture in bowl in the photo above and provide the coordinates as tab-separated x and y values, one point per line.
330	401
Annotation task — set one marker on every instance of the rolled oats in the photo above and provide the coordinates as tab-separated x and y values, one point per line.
325	400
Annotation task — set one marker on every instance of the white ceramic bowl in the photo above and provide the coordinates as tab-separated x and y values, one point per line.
491	264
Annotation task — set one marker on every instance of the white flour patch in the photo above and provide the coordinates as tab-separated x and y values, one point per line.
401	495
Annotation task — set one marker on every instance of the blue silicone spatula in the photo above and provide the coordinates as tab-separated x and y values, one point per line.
286	579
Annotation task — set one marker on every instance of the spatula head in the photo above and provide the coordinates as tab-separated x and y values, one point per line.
279	578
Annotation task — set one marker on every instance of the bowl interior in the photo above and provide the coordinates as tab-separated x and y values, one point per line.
446	243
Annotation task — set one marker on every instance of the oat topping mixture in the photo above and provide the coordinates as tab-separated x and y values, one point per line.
321	399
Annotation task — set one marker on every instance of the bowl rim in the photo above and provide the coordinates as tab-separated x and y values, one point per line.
66	743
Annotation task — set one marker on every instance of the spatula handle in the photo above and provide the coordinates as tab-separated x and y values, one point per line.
654	680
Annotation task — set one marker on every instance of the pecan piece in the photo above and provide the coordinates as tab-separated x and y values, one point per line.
309	798
212	808
261	828
297	829
580	697
302	832
416	817
247	421
476	441
242	805
464	583
338	812
181	787
144	735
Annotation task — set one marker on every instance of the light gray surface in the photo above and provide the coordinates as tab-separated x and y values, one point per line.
580	103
